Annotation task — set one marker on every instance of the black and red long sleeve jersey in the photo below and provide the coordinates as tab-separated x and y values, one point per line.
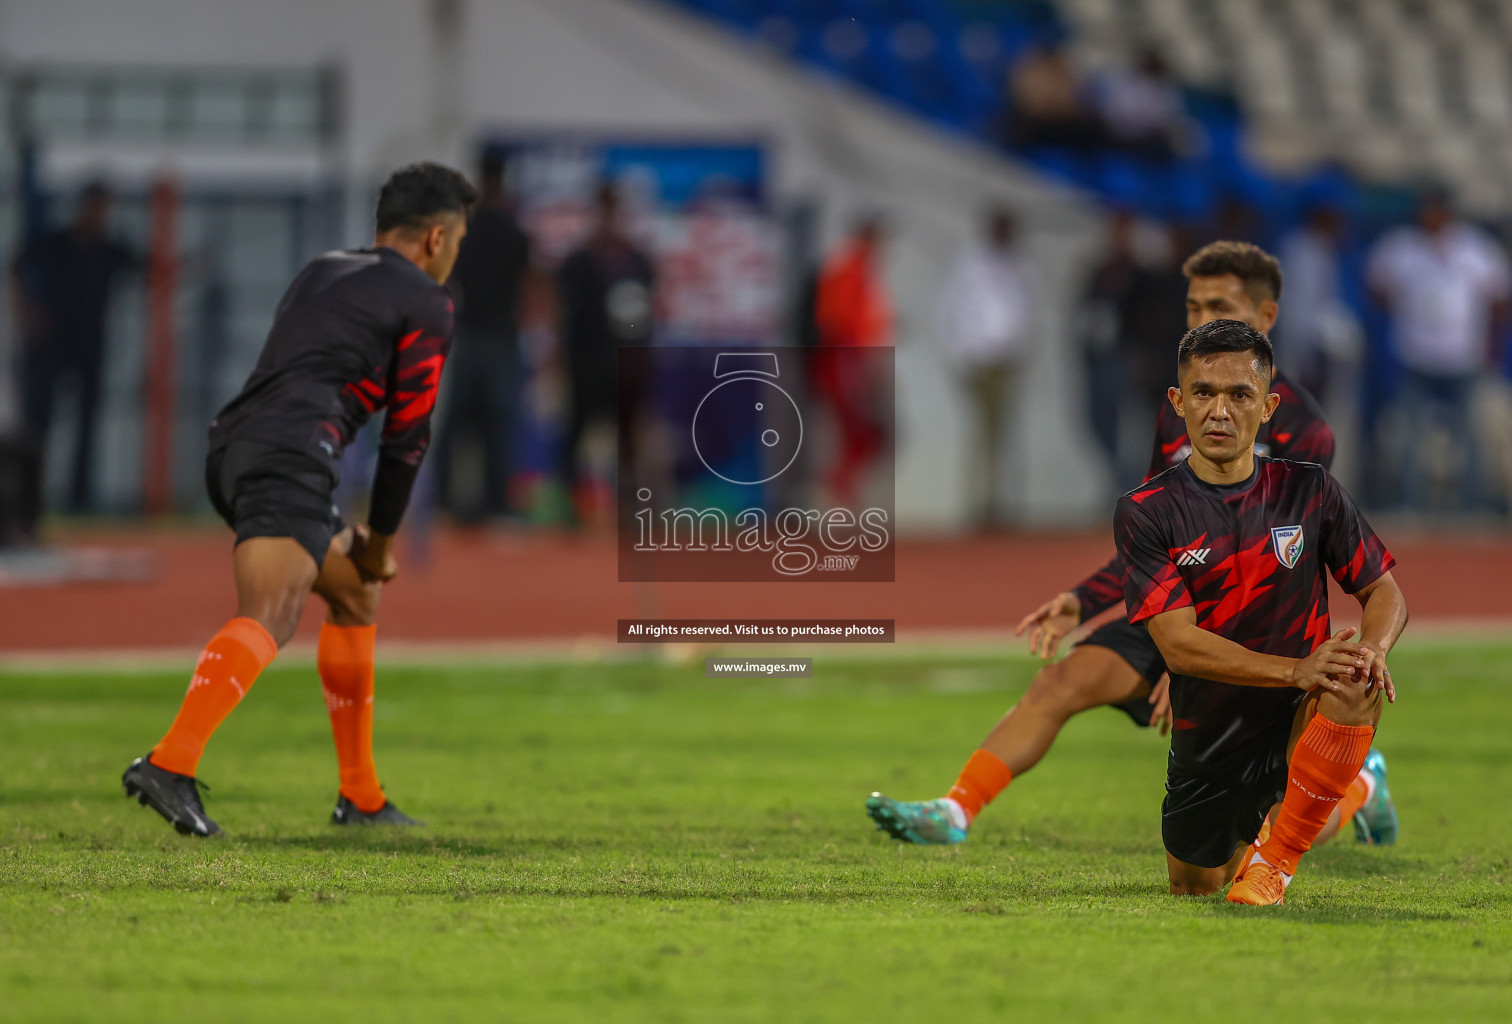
1297	431
357	331
1250	559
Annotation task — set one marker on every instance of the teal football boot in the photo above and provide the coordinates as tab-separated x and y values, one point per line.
926	822
1376	822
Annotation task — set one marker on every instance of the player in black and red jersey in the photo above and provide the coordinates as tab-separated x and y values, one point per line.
357	332
1226	560
1118	663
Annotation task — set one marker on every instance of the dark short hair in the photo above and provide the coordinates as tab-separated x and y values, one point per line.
416	195
1225	336
1258	270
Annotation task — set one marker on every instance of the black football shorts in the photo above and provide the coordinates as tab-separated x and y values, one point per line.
1131	642
1205	818
264	491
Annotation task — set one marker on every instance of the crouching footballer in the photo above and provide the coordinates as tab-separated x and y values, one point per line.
357	332
1226	555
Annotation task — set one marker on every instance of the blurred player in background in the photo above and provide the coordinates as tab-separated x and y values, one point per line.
357	331
488	281
1119	664
606	291
1226	557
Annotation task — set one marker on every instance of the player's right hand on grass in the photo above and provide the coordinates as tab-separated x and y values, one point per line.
1051	621
373	555
1337	666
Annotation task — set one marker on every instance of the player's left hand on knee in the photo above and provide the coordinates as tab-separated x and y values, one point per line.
1375	672
372	554
1332	666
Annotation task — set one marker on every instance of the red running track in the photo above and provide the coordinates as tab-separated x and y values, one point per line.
484	586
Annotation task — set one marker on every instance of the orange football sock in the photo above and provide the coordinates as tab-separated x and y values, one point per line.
345	662
228	666
1354	797
984	777
1327	759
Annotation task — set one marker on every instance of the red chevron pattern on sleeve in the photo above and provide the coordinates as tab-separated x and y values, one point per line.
1351	550
1151	581
414	379
414	382
1102	590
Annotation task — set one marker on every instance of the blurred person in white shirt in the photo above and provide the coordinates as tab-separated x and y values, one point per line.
1446	286
1143	109
987	312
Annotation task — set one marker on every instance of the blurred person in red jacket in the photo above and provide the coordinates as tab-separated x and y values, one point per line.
852	309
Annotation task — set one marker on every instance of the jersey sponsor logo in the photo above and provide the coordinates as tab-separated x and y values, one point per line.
1287	541
1194	556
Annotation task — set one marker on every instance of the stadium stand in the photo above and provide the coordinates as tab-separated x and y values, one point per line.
1394	91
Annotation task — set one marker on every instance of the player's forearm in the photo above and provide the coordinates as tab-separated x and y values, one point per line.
1190	650
1383	616
392	485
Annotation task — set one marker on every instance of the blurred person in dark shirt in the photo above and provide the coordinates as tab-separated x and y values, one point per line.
605	295
65	279
1050	104
1133	311
484	378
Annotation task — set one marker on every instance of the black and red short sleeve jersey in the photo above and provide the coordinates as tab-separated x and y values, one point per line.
357	331
1297	431
1251	560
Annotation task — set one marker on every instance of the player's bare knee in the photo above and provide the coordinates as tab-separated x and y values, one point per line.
1194	888
1354	704
353	605
279	618
1049	690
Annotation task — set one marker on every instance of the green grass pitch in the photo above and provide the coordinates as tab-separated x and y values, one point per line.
632	842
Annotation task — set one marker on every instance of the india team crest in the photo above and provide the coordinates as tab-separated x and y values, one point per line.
1288	543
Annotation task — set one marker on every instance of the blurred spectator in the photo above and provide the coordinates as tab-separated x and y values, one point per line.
1105	329
483	376
1318	333
64	282
1235	221
605	300
1133	316
852	307
1142	108
1050	105
1445	285
986	316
